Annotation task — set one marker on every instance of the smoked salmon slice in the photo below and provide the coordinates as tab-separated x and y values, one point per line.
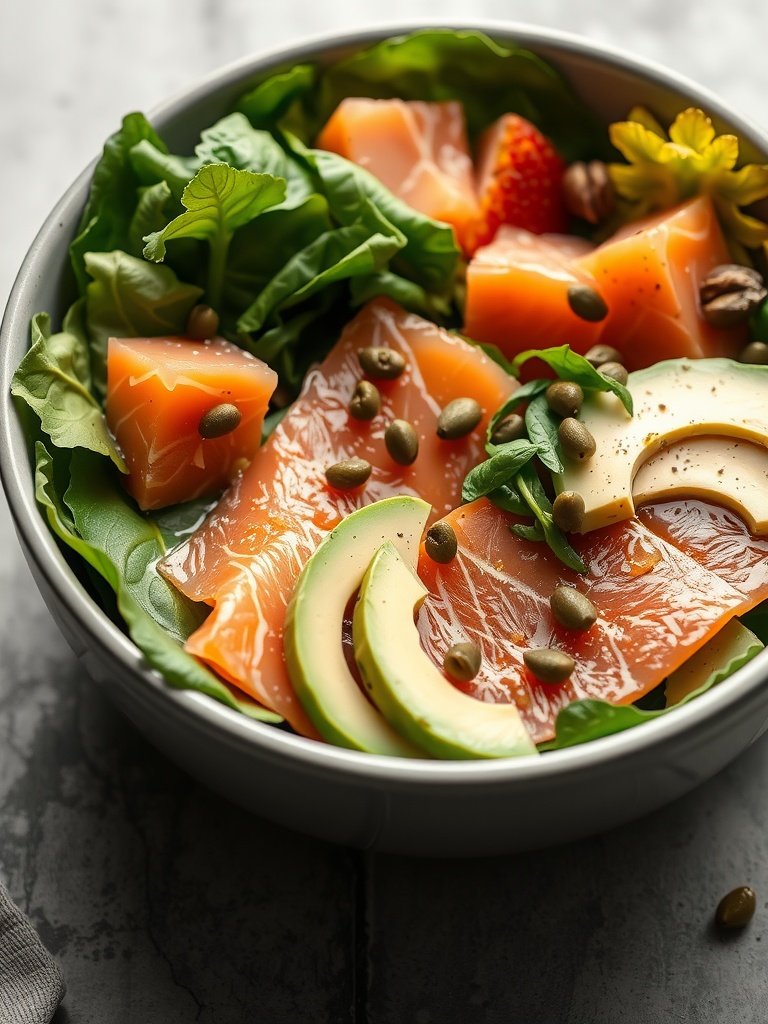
246	557
418	150
657	605
159	390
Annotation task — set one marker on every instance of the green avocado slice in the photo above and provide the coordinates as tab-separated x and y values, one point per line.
406	685
314	655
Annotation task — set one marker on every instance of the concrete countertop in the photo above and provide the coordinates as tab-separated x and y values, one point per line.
166	904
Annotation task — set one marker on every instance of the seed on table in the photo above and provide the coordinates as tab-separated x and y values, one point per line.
459	418
462	662
572	609
568	511
615	371
736	908
599	354
511	428
402	442
548	664
440	543
564	397
586	303
365	402
755	352
576	440
220	420
348	473
382	363
202	323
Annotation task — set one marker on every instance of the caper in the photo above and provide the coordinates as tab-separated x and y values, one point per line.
348	473
576	440
754	352
511	428
458	418
462	662
440	543
600	354
615	371
548	664
586	303
564	397
382	363
218	421
402	442
736	908
365	402
572	609
202	323
568	511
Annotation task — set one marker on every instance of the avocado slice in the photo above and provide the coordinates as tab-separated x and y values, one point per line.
675	400
405	684
730	648
314	655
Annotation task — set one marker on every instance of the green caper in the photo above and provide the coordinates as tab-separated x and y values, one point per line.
462	662
511	428
564	397
586	303
458	418
615	371
572	609
202	323
402	442
736	908
365	402
381	363
754	352
548	664
568	511
218	421
348	473
600	354
576	440
440	543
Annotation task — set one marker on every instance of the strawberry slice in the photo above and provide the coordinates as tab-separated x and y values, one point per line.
520	180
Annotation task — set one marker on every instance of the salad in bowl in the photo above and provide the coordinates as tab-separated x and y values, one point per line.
404	408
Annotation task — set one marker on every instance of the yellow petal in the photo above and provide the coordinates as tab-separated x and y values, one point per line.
750	231
744	186
692	128
634	142
644	117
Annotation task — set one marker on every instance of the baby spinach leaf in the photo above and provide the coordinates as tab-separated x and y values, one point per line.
569	365
532	532
54	380
149	215
130	298
495	472
533	493
541	424
152	163
271	100
509	499
525	393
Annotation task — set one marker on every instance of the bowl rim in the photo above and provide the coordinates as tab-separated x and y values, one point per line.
734	695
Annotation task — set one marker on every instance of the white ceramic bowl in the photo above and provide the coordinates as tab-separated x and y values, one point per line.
415	807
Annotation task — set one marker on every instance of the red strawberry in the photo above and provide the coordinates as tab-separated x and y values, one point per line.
519	175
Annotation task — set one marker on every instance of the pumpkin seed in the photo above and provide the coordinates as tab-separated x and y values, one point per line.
381	363
576	440
440	543
548	664
348	473
568	511
218	421
615	371
564	397
202	323
511	428
402	442
458	418
572	609
365	402
754	352
586	303
599	354
736	908
462	662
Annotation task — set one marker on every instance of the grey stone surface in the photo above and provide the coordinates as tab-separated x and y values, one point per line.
165	903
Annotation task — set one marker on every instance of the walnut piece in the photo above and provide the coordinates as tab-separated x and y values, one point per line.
730	294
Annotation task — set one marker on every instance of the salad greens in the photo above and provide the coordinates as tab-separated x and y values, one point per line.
285	242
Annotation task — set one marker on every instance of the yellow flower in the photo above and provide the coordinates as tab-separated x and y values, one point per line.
666	169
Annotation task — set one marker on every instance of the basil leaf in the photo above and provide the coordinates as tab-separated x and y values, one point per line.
530	488
509	499
54	380
533	532
496	471
569	365
542	425
523	394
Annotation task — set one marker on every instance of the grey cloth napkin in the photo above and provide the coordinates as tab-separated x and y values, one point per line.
31	982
